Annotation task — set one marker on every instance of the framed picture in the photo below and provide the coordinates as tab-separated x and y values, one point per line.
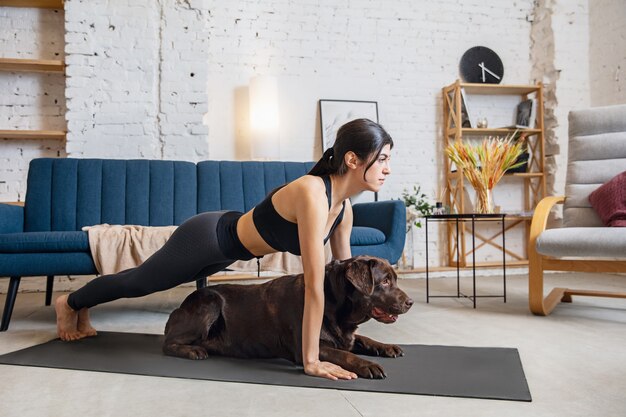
335	113
526	114
466	120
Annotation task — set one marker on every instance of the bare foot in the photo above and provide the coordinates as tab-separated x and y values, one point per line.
67	320
84	326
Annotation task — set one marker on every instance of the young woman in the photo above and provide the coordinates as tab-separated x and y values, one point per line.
298	217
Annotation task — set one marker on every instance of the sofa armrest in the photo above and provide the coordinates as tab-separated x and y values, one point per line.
538	225
387	216
390	218
11	218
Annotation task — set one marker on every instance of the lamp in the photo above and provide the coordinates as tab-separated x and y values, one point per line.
264	135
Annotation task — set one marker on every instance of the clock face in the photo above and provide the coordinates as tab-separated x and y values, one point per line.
481	65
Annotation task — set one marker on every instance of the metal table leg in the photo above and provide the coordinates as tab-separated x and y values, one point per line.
473	263
427	287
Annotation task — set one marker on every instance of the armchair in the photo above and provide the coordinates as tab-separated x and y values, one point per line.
596	153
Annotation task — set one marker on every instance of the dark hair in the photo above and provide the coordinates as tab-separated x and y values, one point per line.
361	136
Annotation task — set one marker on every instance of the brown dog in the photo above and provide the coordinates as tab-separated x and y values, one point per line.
265	320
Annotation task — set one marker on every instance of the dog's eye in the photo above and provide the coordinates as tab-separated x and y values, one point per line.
386	282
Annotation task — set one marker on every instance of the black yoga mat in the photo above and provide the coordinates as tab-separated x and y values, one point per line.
493	373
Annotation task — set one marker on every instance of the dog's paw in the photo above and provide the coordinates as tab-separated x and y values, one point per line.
371	370
390	351
197	353
185	351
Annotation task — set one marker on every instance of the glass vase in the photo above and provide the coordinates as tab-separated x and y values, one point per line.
484	201
407	259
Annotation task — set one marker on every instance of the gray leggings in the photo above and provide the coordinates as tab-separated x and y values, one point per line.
191	253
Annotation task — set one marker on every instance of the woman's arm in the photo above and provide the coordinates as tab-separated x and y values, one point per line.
312	214
340	239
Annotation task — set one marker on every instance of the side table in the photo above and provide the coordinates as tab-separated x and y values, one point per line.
473	218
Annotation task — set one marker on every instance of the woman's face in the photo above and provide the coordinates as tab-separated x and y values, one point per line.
377	173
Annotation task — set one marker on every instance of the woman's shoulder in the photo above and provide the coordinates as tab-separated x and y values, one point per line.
307	184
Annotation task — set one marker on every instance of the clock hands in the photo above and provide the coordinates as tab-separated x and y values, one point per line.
484	68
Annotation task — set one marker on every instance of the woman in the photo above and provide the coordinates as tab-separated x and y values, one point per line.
298	217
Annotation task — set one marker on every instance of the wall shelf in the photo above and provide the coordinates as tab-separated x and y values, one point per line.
32	134
32	65
41	4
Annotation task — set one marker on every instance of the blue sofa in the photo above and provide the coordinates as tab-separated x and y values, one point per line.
44	237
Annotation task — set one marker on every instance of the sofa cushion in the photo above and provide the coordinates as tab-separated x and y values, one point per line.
241	185
609	201
44	242
596	242
362	236
65	194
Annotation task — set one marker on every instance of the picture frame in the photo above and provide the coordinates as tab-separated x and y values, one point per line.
466	119
335	113
526	114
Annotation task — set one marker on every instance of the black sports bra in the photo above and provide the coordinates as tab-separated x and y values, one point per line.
282	234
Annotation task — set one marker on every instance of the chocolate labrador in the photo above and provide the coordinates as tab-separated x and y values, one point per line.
265	320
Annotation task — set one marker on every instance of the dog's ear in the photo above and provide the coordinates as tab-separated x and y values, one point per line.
359	273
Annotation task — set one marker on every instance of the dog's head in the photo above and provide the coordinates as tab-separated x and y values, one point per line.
375	283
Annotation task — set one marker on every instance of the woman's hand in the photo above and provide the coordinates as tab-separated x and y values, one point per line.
328	370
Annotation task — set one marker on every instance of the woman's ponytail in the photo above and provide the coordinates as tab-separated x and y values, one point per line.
326	164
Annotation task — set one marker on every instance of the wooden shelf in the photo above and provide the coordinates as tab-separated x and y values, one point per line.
32	65
41	4
509	263
525	174
496	89
479	265
513	217
495	132
13	203
32	134
455	175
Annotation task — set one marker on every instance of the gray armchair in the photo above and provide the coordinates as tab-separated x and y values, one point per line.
597	153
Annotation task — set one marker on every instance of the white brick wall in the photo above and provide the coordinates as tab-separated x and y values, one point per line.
571	38
131	93
607	52
136	85
29	100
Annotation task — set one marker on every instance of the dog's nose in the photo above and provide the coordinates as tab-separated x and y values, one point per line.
408	303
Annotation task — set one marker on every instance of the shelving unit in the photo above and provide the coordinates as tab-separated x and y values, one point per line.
31	65
533	181
32	134
41	4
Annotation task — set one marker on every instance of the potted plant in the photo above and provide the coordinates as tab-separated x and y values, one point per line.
417	206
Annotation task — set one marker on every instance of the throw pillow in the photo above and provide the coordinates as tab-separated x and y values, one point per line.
609	201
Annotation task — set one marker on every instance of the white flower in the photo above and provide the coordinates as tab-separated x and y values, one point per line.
412	215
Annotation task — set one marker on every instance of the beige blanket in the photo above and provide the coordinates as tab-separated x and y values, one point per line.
115	248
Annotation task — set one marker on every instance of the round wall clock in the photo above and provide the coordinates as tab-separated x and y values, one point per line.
481	65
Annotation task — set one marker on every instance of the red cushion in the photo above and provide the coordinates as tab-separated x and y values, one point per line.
609	201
